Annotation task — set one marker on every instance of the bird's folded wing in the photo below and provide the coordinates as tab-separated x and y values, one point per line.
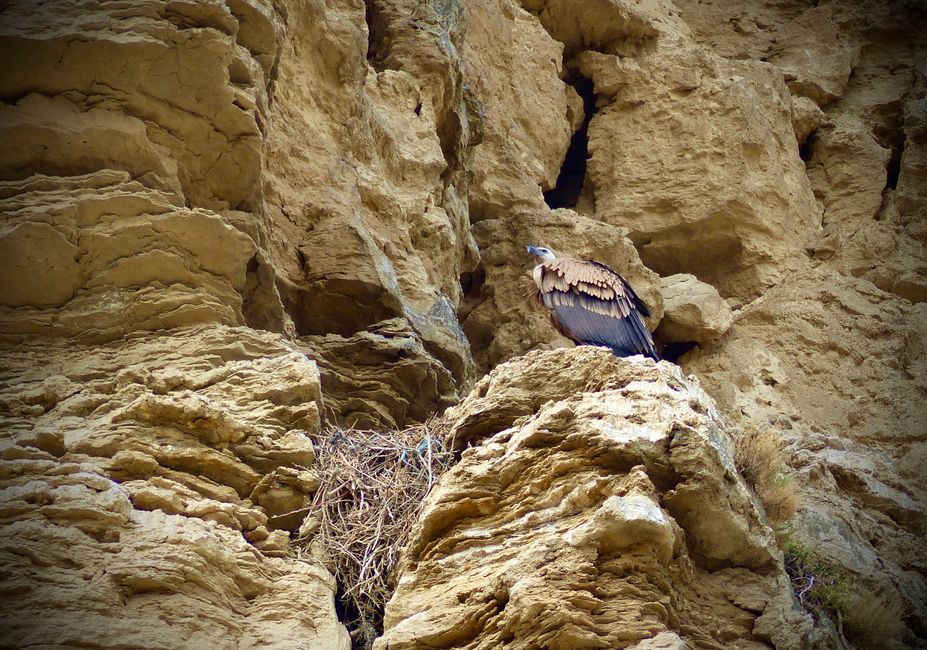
594	304
612	323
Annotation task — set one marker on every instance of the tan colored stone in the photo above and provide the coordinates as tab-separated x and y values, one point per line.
205	430
815	55
528	113
86	565
367	172
38	266
138	261
597	518
380	378
693	310
738	228
806	118
837	366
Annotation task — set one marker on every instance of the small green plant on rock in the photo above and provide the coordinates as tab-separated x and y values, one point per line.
821	586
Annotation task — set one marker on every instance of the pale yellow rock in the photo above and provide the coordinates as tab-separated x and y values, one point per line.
120	257
815	55
837	367
380	378
848	173
591	514
367	170
515	69
38	266
206	431
213	214
738	228
87	566
693	310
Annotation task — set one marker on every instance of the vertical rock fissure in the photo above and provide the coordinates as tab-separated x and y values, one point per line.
893	168
806	148
375	54
569	187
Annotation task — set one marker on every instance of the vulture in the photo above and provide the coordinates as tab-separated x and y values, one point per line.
591	304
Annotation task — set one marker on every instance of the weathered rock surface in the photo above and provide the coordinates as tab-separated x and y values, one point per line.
97	256
839	367
693	310
361	180
667	111
366	172
598	507
381	378
528	113
147	485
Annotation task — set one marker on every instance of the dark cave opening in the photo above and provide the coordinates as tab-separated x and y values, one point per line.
672	352
565	193
363	632
375	29
893	168
805	148
471	285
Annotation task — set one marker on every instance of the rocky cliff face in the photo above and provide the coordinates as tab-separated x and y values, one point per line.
227	222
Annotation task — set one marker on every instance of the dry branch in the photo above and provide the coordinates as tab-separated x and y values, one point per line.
373	485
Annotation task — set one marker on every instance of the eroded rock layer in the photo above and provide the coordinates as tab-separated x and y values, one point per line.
225	222
148	489
601	508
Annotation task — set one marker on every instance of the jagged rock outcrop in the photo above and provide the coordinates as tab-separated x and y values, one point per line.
598	506
381	378
693	310
223	221
148	487
839	368
366	172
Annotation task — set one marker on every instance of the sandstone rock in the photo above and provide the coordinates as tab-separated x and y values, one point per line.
86	565
682	220
604	512
806	118
366	172
177	99
380	378
815	55
134	476
693	310
838	367
528	113
177	175
94	257
848	173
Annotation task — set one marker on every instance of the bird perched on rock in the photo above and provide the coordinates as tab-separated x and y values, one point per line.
591	304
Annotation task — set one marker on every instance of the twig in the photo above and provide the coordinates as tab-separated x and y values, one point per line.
373	485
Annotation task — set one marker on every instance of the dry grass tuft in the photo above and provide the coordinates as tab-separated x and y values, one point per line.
875	620
373	487
760	458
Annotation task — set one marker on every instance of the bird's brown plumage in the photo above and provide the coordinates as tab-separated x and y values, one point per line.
592	304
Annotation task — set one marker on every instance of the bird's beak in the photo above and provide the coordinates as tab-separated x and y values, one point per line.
534	251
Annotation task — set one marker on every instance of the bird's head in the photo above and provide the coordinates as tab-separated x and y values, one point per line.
543	254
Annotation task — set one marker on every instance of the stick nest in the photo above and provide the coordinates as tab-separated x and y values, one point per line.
373	485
